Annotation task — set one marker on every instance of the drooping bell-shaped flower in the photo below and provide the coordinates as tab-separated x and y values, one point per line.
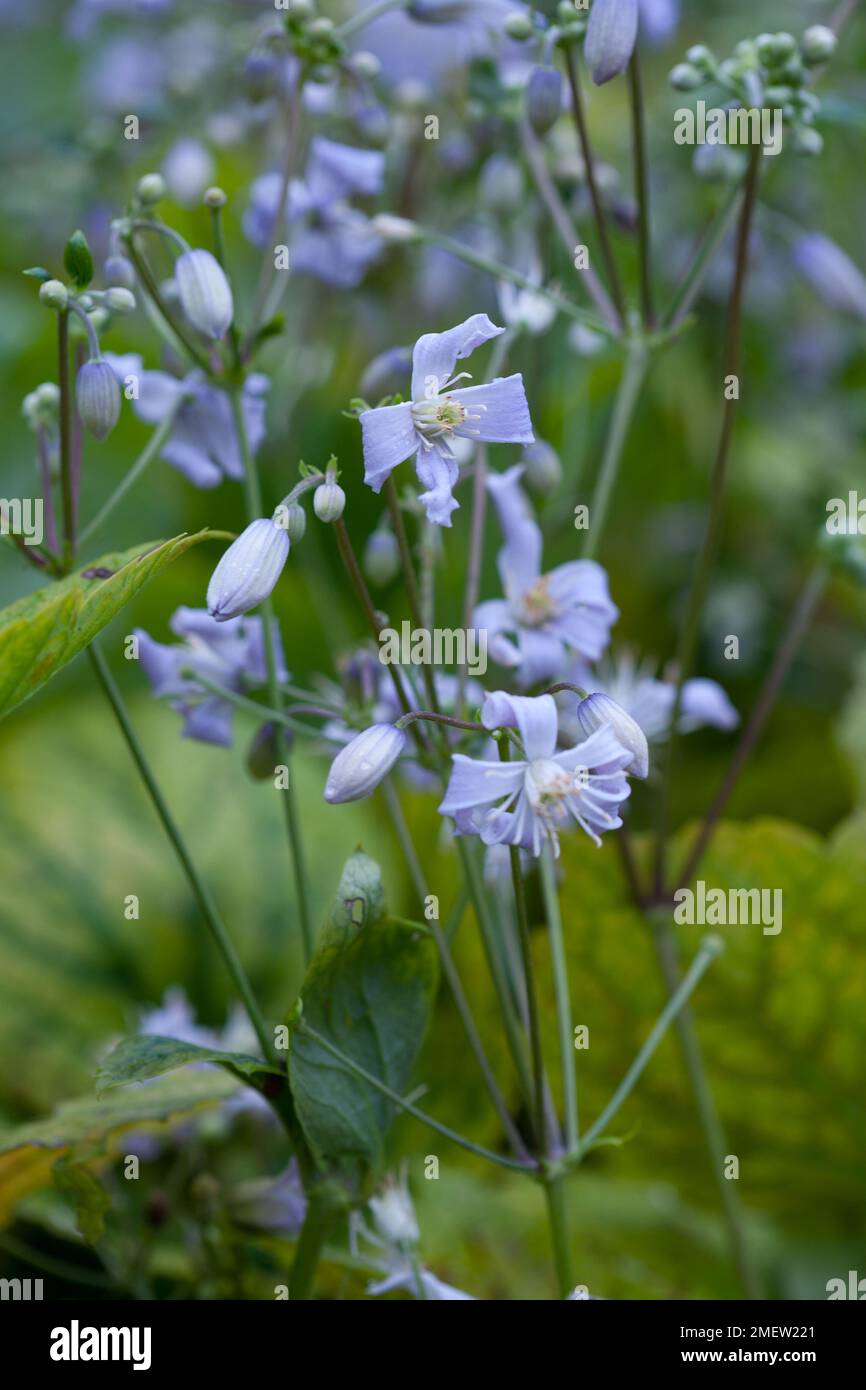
97	395
359	767
610	38
205	293
249	569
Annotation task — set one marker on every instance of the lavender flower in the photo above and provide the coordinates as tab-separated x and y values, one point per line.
649	701
658	19
547	615
205	293
526	802
832	273
611	35
441	410
359	767
230	654
203	444
248	570
275	1204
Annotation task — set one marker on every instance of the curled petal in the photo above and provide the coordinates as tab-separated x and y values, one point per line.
435	354
534	716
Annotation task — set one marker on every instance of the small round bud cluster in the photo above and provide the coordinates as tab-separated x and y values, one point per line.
151	189
54	293
39	407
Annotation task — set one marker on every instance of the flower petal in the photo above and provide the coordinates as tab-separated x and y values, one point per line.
534	716
519	560
438	472
498	411
389	438
435	354
475	782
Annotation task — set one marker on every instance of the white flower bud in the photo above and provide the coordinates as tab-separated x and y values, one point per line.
543	98
329	501
543	469
296	523
365	64
119	271
394	1215
151	189
215	197
391	228
205	293
97	394
819	44
54	293
248	571
685	78
518	26
610	38
599	711
381	558
359	767
119	300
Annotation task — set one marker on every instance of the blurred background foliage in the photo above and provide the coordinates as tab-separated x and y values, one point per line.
781	1019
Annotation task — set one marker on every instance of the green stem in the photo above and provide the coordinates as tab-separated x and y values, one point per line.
710	948
311	1242
634	371
557	1216
712	239
262	712
275	694
641	169
145	458
206	905
714	1134
563	1002
67	490
411	1109
703	568
412	592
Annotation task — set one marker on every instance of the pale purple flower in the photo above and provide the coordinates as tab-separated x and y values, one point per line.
229	654
649	701
441	410
527	802
275	1204
543	618
188	169
831	273
658	19
203	444
411	50
611	35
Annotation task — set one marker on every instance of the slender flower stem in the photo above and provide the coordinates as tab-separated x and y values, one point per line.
533	1019
710	1123
634	371
700	583
412	592
353	1066
579	114
715	233
557	1216
799	621
561	219
565	1027
205	902
275	694
138	468
408	719
65	407
311	1242
44	457
500	271
262	712
449	970
365	17
641	172
710	948
146	277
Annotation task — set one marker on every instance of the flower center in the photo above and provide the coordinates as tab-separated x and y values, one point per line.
437	417
536	606
548	786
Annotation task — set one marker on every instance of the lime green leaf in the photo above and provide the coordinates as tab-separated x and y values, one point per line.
369	990
78	260
139	1059
42	632
89	1197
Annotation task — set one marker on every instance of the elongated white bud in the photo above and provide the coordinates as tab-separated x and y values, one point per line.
205	293
359	767
610	38
97	394
599	711
248	571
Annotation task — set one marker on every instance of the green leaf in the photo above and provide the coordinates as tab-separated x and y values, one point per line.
42	632
78	260
89	1197
369	990
139	1059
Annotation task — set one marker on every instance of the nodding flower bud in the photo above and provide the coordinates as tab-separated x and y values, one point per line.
381	557
611	35
818	44
359	767
204	292
248	571
119	271
831	273
685	77
119	300
329	501
599	711
295	523
54	293
151	189
97	394
518	26
543	469
543	99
